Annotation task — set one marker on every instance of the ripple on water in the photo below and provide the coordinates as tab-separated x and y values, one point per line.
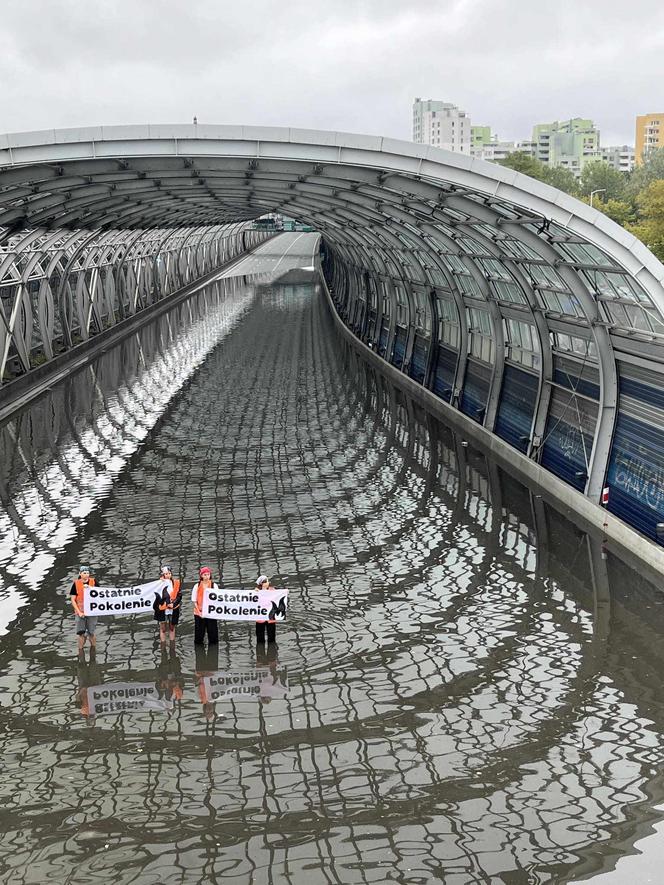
449	705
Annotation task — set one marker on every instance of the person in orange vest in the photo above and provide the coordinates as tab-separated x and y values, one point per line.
85	625
203	625
264	583
167	605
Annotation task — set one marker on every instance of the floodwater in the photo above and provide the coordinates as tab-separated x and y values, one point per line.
467	689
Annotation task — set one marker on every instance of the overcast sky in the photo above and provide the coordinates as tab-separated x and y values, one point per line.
337	64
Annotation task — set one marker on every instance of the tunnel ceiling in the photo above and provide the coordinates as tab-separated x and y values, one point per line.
410	212
365	190
491	241
408	204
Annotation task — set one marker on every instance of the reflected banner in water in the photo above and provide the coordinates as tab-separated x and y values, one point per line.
125	697
240	685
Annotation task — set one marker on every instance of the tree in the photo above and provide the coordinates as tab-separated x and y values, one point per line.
650	228
620	211
523	162
652	169
562	178
556	176
599	176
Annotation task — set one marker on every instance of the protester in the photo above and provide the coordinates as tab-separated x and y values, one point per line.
167	605
269	626
203	625
85	625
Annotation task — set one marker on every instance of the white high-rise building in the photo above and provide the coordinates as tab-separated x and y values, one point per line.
442	124
621	157
494	150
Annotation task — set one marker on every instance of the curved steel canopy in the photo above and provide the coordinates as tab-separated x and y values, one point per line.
502	268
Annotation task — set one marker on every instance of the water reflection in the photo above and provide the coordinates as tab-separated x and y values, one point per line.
263	683
466	690
60	457
124	697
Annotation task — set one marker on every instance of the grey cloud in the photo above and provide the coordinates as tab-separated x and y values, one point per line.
343	65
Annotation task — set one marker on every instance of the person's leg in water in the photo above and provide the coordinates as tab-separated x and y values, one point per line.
92	635
271	634
212	627
162	632
80	623
260	631
199	630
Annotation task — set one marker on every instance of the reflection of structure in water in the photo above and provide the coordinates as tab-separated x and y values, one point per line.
470	710
62	454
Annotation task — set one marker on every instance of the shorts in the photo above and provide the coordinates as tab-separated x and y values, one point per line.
85	625
162	617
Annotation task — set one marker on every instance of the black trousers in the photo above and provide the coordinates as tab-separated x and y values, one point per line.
271	632
203	626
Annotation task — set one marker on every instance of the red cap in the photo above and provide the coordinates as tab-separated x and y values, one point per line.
204	571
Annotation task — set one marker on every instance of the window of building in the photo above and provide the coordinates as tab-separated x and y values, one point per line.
522	343
448	321
628	305
481	342
422	309
583	348
402	305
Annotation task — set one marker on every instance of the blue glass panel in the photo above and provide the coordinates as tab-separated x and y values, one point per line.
518	398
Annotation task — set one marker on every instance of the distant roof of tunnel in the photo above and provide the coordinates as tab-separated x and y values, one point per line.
367	192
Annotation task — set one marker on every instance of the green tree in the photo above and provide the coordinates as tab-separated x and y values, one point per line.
562	178
556	176
599	176
652	169
620	211
523	162
650	227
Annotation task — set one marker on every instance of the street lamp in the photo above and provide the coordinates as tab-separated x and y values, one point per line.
600	190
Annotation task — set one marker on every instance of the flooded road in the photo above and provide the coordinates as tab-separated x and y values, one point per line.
466	689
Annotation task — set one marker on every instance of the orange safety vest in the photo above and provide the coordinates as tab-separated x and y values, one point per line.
173	592
201	587
80	588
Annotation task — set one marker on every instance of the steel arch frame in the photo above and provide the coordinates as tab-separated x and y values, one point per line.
122	269
401	215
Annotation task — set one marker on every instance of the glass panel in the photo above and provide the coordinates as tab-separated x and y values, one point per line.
508	292
584	253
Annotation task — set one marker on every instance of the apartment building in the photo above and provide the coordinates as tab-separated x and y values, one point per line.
649	134
442	124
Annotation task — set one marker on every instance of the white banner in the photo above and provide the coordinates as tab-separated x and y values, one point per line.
245	605
136	600
241	685
125	697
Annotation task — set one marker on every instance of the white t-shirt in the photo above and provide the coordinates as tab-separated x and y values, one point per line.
194	589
